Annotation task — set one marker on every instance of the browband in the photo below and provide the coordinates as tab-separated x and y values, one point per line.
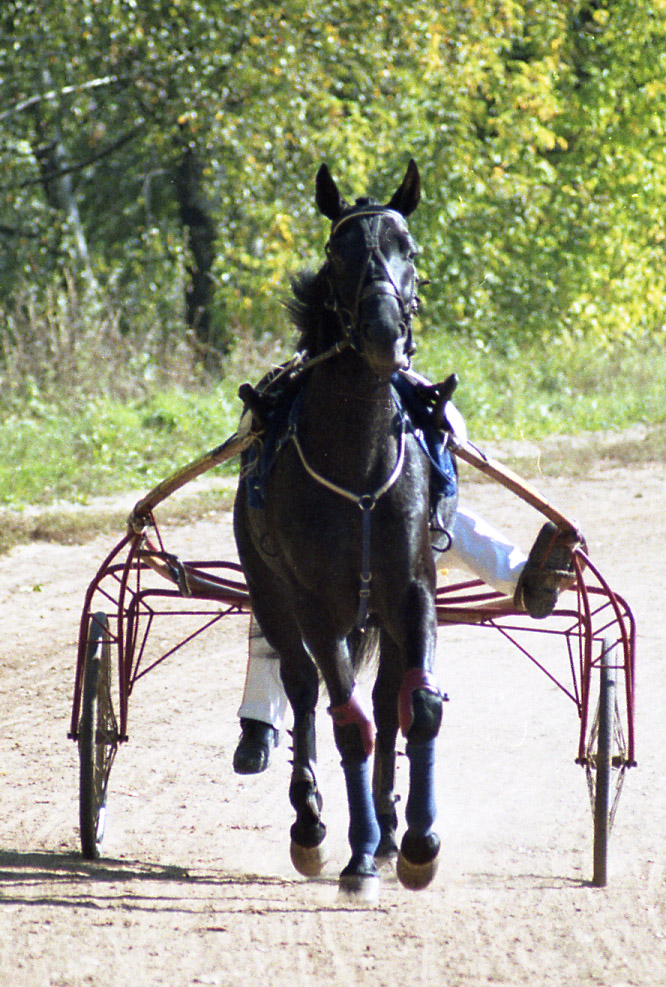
377	211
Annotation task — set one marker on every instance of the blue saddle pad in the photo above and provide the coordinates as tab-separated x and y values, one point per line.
444	476
259	458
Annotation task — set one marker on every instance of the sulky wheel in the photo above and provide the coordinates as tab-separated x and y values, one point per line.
98	736
601	762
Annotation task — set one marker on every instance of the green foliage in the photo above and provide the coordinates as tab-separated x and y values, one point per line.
538	128
101	445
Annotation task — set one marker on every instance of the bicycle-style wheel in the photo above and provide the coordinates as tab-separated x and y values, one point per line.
98	737
604	760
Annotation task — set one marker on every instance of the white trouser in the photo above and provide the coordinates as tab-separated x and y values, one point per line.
484	550
264	697
475	544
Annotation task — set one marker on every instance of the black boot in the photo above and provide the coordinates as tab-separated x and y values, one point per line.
253	753
548	571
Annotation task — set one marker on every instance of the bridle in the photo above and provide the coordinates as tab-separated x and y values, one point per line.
370	219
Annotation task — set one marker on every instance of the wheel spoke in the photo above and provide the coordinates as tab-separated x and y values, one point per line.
602	774
98	737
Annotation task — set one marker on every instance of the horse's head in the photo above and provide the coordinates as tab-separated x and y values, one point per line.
371	270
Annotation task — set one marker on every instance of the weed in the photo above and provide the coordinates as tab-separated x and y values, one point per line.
88	410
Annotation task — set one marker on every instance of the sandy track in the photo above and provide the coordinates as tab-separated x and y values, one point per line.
196	886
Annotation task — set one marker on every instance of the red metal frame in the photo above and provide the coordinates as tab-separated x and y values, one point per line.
600	615
124	589
138	583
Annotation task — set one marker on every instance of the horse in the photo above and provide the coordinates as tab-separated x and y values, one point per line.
338	556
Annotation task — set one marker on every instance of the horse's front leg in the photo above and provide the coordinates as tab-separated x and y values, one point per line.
420	715
308	832
354	739
353	732
385	706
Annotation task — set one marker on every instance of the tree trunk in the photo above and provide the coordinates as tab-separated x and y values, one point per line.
212	339
58	191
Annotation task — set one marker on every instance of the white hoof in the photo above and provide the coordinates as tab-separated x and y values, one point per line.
359	888
308	861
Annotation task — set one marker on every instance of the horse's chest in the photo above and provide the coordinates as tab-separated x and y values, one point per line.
319	532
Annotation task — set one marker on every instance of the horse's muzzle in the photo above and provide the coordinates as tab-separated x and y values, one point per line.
384	336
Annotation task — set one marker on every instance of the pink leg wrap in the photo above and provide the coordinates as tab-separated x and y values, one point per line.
415	678
352	712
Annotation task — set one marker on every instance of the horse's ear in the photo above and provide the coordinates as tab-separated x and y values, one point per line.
406	199
328	199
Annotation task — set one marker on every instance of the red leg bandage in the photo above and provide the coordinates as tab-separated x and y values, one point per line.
352	712
415	678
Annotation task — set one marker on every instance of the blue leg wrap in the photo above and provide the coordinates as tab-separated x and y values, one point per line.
363	826
421	809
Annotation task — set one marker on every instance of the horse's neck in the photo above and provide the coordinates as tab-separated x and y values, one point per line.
347	422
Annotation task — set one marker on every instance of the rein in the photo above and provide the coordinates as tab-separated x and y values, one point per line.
366	502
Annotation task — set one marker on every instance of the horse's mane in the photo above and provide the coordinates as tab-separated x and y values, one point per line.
312	316
310	305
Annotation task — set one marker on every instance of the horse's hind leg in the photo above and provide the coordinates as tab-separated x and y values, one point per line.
301	684
308	831
421	715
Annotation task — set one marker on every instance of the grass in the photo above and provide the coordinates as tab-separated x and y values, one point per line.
84	447
540	390
64	524
103	427
101	446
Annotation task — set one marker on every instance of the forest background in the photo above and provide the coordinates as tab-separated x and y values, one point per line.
157	164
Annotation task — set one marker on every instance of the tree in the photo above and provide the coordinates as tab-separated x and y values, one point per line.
168	153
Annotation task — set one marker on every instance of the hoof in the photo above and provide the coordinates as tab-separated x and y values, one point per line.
364	890
415	877
417	860
360	879
308	860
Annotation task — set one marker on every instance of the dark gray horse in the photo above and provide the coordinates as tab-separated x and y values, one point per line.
339	553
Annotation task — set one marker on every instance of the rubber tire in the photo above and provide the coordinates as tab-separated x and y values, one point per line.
97	737
604	765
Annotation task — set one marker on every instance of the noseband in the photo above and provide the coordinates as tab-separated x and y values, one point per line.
349	318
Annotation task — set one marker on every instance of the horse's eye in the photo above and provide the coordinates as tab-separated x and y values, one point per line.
410	248
404	243
392	240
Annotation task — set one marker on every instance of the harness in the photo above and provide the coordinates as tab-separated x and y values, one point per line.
366	502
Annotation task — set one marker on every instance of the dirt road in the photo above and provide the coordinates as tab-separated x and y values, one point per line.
196	886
